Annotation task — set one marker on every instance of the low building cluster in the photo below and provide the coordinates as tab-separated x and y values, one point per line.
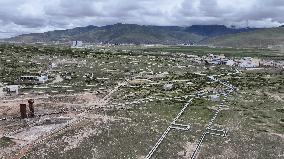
245	62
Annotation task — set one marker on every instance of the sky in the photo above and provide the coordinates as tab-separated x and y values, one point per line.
33	16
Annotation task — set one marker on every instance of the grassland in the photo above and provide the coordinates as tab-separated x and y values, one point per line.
137	115
259	38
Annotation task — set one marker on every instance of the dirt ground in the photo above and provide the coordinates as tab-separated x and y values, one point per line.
24	133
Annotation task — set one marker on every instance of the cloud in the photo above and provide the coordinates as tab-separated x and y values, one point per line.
24	16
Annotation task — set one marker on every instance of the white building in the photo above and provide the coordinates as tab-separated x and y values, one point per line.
268	63
12	89
77	44
230	63
215	97
249	62
246	64
52	65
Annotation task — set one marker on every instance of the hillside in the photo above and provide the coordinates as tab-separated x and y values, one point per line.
257	38
215	30
130	33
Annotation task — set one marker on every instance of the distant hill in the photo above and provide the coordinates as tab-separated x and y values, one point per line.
131	33
215	30
256	38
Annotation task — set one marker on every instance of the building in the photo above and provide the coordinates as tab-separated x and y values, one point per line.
52	65
215	59
12	89
33	79
256	62
214	97
230	63
77	44
268	63
249	62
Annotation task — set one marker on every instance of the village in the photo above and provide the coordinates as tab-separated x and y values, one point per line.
40	77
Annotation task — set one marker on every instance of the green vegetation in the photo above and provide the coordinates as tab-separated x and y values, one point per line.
260	38
5	142
229	52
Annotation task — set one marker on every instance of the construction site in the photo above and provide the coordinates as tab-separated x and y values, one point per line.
114	103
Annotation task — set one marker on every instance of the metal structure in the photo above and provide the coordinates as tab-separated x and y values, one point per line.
23	110
31	107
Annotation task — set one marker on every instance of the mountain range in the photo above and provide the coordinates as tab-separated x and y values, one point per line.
219	35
